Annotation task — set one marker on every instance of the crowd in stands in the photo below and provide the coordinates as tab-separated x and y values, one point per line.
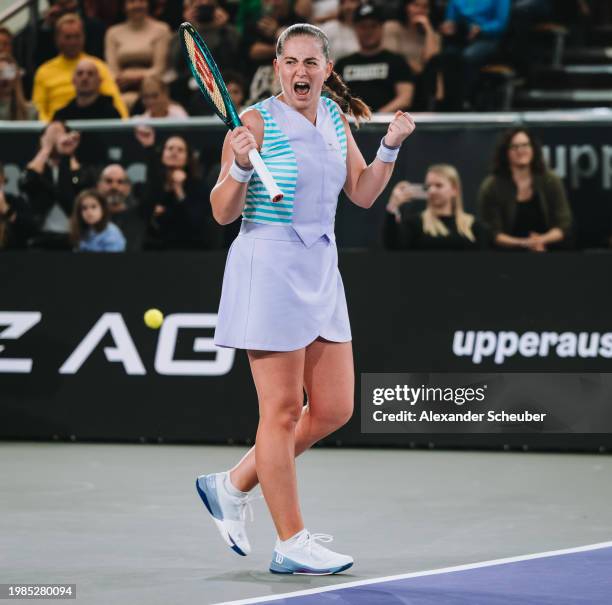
121	59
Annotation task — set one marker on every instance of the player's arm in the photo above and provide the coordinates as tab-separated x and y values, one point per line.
228	195
365	183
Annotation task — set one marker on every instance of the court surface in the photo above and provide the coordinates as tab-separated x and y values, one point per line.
125	524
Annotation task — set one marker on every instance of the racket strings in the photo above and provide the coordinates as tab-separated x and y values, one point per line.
202	71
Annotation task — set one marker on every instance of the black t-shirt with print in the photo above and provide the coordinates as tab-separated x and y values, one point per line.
373	78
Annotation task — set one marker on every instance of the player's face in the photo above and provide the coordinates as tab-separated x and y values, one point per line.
175	153
91	211
520	151
302	69
440	191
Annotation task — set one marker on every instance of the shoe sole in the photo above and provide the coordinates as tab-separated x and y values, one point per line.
222	530
312	573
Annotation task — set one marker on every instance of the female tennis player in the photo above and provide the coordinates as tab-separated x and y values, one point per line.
283	299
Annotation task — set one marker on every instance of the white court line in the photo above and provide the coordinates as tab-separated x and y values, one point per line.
418	574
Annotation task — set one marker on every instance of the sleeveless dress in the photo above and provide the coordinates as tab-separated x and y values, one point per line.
281	287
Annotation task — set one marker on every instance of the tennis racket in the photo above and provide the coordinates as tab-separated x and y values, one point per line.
207	75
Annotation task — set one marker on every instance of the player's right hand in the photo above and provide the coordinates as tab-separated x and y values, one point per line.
241	142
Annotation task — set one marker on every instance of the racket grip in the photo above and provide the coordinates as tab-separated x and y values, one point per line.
276	195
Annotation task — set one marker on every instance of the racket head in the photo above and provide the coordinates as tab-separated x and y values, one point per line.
207	75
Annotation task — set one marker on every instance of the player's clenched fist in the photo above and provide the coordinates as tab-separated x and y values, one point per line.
401	128
241	142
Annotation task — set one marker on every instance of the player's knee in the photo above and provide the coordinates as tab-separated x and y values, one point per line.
283	411
333	416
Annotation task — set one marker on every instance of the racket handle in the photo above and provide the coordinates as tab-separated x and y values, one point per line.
276	195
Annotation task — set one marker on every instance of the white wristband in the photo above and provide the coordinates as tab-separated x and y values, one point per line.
240	174
386	153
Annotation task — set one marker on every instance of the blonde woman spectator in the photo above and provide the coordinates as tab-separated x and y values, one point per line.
53	87
13	105
443	225
420	45
136	48
340	32
157	102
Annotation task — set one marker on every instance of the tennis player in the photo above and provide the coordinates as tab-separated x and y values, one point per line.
282	298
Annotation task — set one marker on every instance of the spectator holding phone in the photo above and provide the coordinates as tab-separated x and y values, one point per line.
443	225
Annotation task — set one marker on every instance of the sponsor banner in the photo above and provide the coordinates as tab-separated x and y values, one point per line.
578	150
486	403
76	358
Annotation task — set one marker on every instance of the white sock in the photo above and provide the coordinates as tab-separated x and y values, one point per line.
294	538
231	490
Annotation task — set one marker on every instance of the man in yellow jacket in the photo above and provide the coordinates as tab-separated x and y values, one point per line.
53	87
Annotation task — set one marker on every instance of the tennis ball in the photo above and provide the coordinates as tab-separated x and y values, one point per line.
153	318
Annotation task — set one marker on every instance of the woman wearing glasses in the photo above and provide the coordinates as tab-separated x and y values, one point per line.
523	203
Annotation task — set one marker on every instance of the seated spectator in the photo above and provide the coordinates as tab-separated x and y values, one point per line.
156	101
522	202
16	221
176	197
125	211
50	183
53	87
6	41
259	41
88	103
44	32
473	30
91	229
13	105
443	225
381	78
136	49
420	45
222	38
341	32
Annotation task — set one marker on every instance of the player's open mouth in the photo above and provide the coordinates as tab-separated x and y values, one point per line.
301	88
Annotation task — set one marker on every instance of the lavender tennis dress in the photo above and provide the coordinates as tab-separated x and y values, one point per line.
282	287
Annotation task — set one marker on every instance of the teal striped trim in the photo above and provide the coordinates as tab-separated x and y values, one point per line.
280	159
338	124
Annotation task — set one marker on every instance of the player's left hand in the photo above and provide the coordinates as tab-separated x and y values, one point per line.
401	127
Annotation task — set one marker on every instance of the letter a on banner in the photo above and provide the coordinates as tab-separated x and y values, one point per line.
125	351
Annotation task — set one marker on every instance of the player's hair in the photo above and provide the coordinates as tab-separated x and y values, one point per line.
501	163
78	226
67	19
432	225
334	86
18	109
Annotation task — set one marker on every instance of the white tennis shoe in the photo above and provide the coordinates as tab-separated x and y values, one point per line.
228	511
306	556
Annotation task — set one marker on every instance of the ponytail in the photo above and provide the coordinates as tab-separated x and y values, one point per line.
339	92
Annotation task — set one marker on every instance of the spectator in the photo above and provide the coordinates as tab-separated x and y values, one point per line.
473	30
6	41
88	103
522	202
341	32
236	86
222	38
91	229
125	212
157	102
136	48
13	105
443	225
53	87
44	33
176	197
420	45
259	41
50	182
16	220
381	78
